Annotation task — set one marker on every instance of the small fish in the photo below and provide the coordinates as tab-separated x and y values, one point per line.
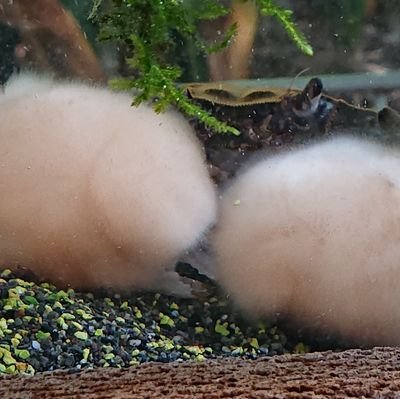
306	103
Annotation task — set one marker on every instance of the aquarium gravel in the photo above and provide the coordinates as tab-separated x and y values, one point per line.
44	328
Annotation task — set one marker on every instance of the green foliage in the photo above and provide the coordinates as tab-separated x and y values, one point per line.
146	28
268	7
158	84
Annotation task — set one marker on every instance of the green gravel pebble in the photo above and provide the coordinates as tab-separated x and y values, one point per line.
221	328
165	320
43	328
42	336
22	353
82	335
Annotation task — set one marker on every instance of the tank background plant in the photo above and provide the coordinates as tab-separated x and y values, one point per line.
146	29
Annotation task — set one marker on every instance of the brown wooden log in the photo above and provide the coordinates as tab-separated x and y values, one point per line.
52	38
234	61
350	374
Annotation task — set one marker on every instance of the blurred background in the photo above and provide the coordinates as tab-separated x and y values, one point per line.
347	36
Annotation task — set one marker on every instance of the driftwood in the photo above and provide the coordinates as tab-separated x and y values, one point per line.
52	39
233	62
350	374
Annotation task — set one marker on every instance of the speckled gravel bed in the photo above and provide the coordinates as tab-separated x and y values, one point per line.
44	328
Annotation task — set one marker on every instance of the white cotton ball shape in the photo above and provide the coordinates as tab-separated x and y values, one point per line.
94	192
314	235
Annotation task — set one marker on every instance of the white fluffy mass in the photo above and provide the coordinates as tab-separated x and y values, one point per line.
94	192
314	235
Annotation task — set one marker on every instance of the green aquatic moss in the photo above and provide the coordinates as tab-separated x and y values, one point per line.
148	29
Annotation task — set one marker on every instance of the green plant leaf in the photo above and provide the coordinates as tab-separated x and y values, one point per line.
268	7
145	28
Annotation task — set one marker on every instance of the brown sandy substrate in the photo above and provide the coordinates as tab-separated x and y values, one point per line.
350	374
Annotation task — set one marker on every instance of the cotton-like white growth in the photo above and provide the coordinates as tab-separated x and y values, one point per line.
95	192
314	235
